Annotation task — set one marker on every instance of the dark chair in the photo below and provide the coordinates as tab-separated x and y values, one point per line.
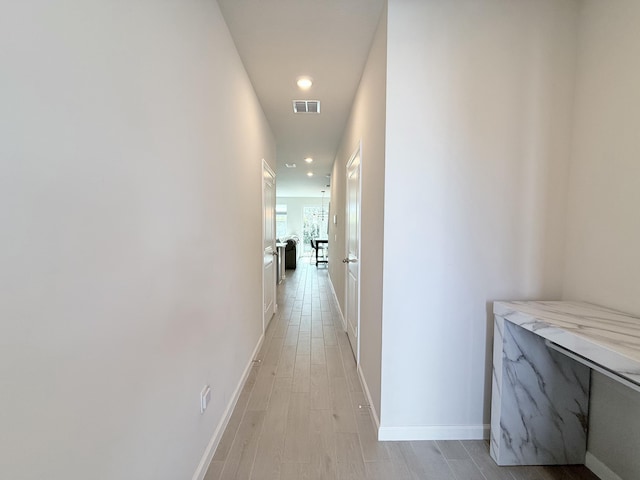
315	248
290	255
319	247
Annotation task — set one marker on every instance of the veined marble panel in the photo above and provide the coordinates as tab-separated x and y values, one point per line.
495	435
540	397
604	336
540	401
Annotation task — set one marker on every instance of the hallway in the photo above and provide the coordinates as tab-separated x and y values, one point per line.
299	416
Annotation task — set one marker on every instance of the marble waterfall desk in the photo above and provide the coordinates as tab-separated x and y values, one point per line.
542	356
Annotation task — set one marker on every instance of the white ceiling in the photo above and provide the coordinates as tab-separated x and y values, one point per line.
281	40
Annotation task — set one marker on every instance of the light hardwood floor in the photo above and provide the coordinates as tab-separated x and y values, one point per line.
299	417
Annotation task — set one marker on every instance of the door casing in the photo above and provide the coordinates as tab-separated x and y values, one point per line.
352	246
269	281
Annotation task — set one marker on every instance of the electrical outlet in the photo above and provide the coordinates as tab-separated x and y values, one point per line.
205	398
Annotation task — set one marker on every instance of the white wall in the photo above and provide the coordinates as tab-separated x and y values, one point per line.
366	124
603	234
478	120
124	128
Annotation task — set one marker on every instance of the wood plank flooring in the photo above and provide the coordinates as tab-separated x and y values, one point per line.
298	416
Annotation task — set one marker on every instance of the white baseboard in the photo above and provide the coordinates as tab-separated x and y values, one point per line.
203	466
335	297
365	389
599	468
434	432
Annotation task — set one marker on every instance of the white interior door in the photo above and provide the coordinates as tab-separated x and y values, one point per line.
352	258
269	243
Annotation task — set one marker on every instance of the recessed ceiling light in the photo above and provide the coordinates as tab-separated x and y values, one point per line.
309	174
290	165
308	159
304	83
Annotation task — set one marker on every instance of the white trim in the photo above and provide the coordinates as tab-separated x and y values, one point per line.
335	297
266	169
357	153
205	461
367	393
434	432
599	468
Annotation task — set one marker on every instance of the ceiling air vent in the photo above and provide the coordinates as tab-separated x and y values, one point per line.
306	106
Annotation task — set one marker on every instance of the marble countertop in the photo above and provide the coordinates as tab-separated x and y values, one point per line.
607	337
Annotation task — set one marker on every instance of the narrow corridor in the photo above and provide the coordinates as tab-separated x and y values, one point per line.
299	415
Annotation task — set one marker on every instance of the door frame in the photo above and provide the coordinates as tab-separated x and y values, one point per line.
266	169
356	153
